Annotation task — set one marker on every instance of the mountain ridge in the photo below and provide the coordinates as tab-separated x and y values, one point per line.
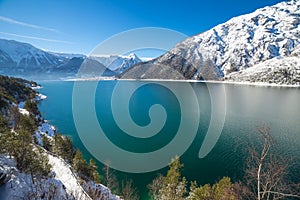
26	61
236	45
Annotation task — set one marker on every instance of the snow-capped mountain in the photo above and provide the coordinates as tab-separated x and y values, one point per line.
24	60
21	56
239	44
118	63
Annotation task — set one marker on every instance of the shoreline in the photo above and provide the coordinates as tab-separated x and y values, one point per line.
259	84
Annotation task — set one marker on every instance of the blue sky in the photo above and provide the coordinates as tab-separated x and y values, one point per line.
78	26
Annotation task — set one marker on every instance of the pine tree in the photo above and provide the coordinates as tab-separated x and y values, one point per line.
28	157
58	144
46	143
63	147
7	142
94	171
26	123
3	124
222	190
31	106
68	150
173	186
80	166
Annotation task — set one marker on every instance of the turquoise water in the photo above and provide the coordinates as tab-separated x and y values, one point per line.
247	107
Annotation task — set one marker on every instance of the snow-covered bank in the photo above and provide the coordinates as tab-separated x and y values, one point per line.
62	183
263	84
18	185
40	97
63	173
277	71
101	78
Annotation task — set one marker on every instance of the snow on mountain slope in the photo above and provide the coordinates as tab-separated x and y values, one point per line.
241	42
25	55
118	63
26	61
277	70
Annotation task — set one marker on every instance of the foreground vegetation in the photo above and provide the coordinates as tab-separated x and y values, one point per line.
266	178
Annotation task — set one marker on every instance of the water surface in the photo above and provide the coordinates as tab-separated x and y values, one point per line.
247	107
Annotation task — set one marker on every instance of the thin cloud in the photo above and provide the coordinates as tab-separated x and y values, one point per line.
12	21
37	38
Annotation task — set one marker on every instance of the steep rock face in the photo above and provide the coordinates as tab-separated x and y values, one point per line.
238	44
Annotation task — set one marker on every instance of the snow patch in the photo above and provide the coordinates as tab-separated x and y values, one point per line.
40	97
65	175
47	129
24	111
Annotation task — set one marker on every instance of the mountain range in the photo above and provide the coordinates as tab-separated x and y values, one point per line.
262	46
24	60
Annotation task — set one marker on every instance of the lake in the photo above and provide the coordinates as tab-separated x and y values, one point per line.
146	116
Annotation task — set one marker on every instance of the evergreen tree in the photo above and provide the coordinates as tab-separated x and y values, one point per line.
31	106
63	147
6	142
222	190
28	157
94	171
58	145
26	123
80	166
3	124
38	163
173	186
68	150
46	143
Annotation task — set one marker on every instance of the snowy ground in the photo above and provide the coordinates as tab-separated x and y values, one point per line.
65	175
20	186
61	184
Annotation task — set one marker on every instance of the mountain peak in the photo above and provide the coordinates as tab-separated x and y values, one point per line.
24	60
243	41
